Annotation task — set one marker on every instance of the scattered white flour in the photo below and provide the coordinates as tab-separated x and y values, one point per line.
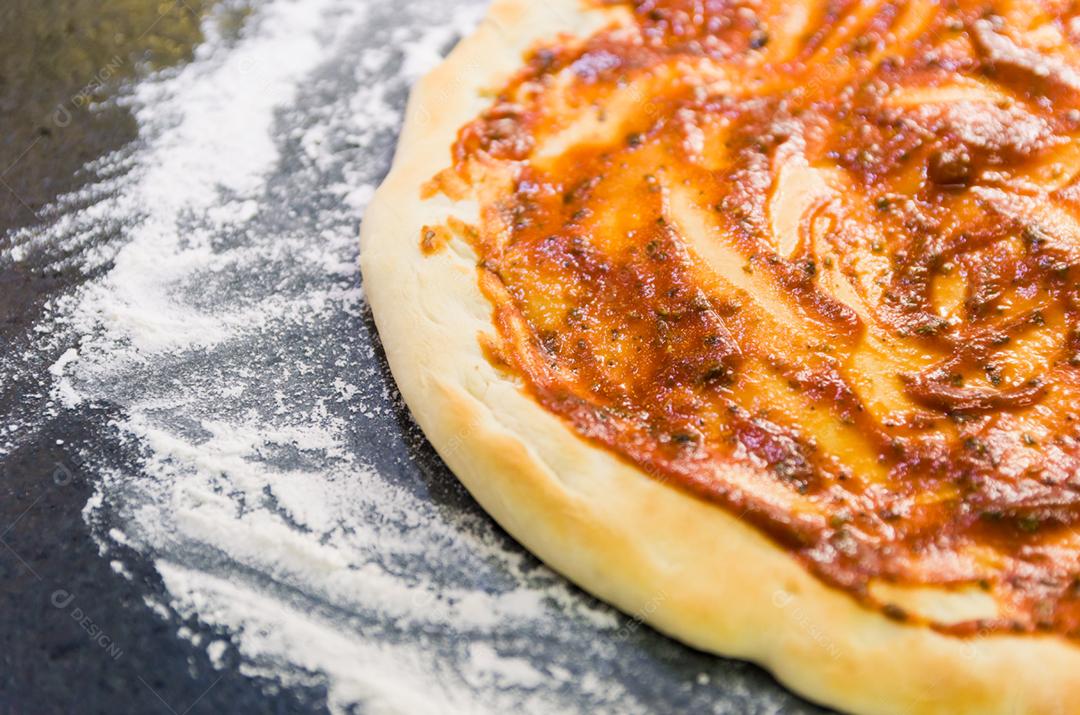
216	651
280	491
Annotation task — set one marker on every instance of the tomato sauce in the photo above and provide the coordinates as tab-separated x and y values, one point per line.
816	263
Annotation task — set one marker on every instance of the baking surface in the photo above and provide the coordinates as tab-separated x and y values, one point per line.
213	498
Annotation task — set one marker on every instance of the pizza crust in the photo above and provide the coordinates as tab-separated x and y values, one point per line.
688	568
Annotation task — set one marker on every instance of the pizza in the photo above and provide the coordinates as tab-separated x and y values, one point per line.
761	321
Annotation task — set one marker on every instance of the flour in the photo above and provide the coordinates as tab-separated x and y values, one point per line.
286	501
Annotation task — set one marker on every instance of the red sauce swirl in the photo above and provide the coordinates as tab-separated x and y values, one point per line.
816	263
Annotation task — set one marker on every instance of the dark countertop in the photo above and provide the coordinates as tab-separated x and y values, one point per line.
56	58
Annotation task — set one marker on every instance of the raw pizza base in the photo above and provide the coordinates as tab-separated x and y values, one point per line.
688	568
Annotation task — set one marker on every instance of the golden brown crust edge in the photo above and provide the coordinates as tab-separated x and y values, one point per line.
687	568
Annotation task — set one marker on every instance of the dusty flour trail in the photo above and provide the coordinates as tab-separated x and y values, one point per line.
279	489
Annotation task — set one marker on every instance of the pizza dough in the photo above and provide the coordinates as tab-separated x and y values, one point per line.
679	557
